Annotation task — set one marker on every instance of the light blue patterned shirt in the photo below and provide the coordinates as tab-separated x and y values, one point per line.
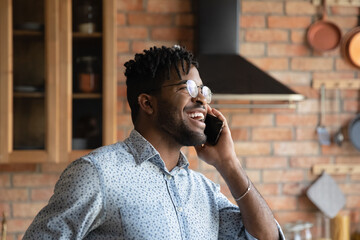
124	191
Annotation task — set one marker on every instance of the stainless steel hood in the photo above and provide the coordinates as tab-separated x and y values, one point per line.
229	75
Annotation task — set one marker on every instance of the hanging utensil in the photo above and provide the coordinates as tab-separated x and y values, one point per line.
339	136
323	134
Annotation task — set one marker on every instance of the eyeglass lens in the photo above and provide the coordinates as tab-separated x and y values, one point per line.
194	91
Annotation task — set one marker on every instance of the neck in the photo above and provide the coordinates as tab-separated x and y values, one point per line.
169	150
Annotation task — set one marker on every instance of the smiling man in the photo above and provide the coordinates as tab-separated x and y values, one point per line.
142	188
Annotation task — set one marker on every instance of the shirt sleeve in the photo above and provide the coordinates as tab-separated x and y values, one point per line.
75	208
230	223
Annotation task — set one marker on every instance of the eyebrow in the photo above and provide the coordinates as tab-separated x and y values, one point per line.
175	84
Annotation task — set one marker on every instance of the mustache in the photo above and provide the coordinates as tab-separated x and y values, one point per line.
195	106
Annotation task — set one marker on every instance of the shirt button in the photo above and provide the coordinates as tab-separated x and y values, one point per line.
169	177
180	209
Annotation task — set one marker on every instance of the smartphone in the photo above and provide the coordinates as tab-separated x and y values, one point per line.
213	129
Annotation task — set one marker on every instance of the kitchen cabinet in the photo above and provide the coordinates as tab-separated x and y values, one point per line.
57	78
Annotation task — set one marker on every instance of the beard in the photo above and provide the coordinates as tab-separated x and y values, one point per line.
175	127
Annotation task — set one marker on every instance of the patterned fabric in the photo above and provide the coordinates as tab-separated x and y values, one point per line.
124	191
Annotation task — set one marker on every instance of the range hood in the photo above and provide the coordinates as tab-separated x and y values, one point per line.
229	75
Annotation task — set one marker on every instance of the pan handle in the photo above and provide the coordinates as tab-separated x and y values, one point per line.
324	11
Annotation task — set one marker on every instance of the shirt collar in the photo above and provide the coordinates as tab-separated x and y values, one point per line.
143	151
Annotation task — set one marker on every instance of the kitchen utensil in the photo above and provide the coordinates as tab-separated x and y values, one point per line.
323	134
350	45
339	136
326	195
3	227
354	132
324	35
340	227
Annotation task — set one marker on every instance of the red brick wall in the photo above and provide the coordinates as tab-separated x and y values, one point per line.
277	147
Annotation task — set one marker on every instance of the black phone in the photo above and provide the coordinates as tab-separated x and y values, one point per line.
213	129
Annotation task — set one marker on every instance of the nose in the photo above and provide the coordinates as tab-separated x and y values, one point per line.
200	98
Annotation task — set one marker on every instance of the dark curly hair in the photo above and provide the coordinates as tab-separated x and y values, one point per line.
150	69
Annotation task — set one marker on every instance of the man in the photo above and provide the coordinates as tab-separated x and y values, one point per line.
142	188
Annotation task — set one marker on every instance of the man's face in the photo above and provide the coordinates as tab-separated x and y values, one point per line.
180	116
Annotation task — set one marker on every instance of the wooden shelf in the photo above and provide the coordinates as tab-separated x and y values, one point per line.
80	35
87	95
348	3
336	83
26	33
29	94
336	168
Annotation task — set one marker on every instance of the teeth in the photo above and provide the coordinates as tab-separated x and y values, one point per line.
196	114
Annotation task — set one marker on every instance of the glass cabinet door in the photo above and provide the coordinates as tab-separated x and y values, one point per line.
29	98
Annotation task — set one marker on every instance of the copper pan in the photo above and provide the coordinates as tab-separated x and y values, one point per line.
323	35
350	45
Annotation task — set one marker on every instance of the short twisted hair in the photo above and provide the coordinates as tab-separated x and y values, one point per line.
150	69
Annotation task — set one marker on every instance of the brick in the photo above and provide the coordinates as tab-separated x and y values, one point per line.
4	180
239	134
309	106
305	204
300	8
122	46
270	64
252	49
41	194
296	148
281	203
284	217
266	162
5	208
350	188
169	6
292	78
347	160
147	19
273	134
27	209
267	189
343	64
53	167
353	202
120	19
266	35
121	90
308	162
344	10
261	7
304	134
298	36
281	49
184	20
35	180
252	149
124	120
293	188
252	22
297	120
18	225
171	33
242	120
129	5
307	91
288	22
132	33
346	149
344	22
139	46
18	167
286	175
351	105
312	63
13	194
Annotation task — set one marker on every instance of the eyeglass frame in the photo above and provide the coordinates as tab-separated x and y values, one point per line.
187	88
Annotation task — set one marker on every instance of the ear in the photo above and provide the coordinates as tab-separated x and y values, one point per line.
146	103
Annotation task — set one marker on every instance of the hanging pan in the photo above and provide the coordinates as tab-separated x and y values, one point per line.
354	132
350	45
323	35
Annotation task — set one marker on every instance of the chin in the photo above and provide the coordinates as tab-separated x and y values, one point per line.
192	139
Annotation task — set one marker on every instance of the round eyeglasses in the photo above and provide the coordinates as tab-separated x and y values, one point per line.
193	89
